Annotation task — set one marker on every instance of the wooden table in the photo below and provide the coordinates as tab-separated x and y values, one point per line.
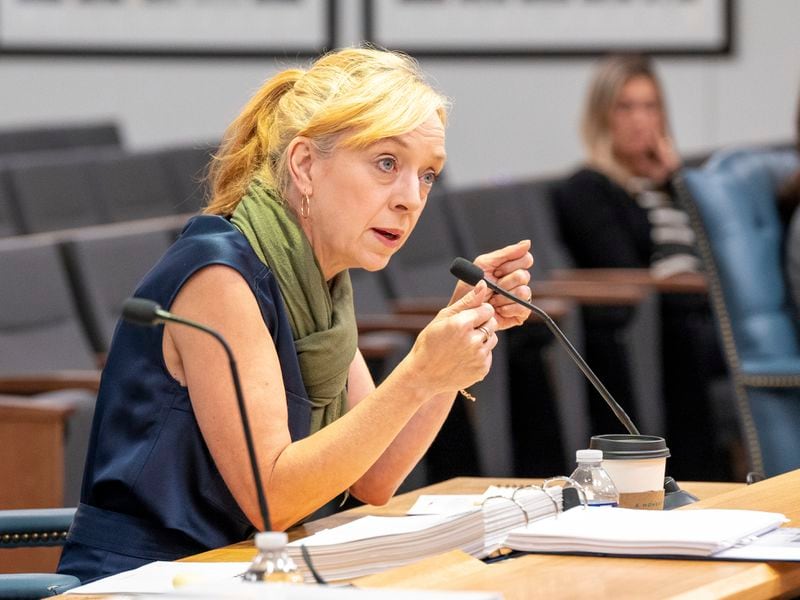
555	576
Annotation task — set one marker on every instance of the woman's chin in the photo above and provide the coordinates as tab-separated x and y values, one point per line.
375	263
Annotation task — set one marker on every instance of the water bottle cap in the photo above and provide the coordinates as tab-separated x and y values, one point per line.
271	540
589	455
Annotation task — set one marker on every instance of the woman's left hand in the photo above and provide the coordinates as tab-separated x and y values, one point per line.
508	268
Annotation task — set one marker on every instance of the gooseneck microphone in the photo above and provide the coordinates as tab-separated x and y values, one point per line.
472	274
141	311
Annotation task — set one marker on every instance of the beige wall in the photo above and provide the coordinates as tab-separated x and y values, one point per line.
511	118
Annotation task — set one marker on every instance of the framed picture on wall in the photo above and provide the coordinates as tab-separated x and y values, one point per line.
527	28
204	28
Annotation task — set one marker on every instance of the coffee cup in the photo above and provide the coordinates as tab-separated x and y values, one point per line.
636	465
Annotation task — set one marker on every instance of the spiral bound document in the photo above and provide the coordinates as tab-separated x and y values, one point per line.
475	524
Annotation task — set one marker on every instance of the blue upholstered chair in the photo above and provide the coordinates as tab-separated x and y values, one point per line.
731	202
35	528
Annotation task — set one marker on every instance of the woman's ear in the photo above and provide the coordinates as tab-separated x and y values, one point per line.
299	158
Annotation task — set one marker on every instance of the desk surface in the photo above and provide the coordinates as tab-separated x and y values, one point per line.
554	576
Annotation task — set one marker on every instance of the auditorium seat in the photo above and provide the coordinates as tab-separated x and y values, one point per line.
30	539
731	203
53	190
420	281
45	356
58	136
383	338
621	332
105	265
9	221
40	328
186	168
131	186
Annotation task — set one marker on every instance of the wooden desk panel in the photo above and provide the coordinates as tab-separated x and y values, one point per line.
31	471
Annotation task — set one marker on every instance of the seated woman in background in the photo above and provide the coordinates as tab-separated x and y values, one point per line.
324	170
618	212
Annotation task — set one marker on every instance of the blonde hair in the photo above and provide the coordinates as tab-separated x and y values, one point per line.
351	97
611	76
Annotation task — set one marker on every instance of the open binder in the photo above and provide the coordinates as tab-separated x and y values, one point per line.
623	531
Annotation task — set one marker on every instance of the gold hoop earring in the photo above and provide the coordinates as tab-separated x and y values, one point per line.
305	206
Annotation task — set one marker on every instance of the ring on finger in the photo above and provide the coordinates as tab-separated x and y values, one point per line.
486	334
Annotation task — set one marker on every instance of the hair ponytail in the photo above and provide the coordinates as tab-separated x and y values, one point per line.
249	145
353	96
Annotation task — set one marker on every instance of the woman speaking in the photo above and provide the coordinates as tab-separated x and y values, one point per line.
324	170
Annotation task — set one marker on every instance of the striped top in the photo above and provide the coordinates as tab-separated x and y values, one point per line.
673	240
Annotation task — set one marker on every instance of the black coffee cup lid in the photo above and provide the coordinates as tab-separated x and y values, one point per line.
630	447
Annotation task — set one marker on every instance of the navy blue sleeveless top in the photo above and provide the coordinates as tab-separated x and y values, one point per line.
151	490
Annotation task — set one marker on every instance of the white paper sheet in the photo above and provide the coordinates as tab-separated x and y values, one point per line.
373	527
782	544
452	504
213	581
157	577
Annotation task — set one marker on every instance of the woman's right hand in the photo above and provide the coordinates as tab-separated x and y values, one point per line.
660	161
455	350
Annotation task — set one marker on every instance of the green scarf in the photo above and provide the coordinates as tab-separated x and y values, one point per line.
322	317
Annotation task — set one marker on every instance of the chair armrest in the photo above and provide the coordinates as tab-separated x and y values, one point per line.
36	585
380	345
683	283
556	307
401	323
591	293
777	372
35	527
17	409
418	306
49	382
33	476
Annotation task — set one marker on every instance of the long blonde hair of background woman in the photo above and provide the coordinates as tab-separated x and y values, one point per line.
611	76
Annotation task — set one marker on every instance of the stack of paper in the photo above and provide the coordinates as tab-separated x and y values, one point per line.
373	544
504	508
643	532
507	508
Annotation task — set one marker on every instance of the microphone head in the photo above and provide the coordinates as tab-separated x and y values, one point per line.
466	271
140	311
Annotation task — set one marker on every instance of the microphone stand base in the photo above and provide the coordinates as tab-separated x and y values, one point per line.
674	496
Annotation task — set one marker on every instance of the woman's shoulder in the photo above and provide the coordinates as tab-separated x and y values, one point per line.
212	239
586	183
203	230
206	241
587	177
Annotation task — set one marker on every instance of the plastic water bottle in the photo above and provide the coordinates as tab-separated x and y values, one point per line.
595	481
273	564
